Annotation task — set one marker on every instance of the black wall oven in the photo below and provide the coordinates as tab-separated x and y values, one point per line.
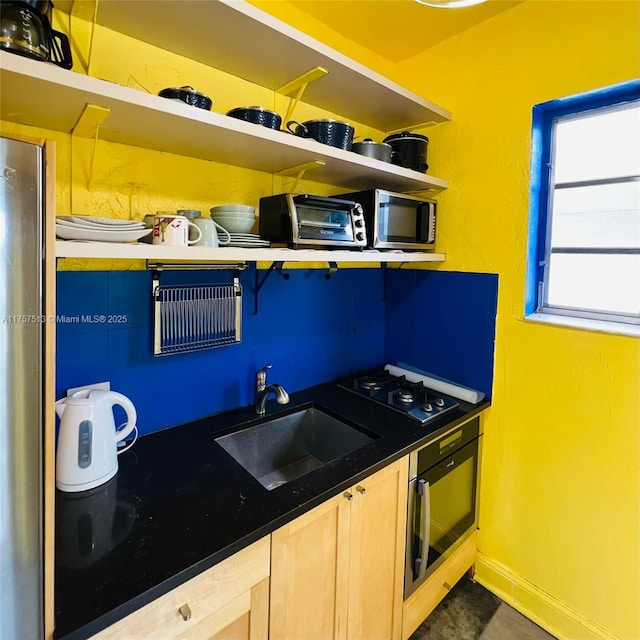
442	507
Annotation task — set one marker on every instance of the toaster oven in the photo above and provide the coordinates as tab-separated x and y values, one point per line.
306	220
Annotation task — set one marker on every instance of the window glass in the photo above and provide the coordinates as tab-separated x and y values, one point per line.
598	145
584	258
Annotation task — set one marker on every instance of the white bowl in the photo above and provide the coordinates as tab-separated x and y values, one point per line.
235	225
235	208
234	214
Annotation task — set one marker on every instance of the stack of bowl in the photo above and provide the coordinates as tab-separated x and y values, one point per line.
235	218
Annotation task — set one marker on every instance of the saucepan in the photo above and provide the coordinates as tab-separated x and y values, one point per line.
188	95
331	132
378	150
257	115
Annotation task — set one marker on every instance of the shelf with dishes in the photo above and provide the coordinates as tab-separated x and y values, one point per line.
133	251
143	120
242	40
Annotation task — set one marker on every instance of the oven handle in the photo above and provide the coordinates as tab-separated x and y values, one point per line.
425	524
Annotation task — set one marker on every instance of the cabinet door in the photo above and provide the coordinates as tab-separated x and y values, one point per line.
376	575
309	574
230	601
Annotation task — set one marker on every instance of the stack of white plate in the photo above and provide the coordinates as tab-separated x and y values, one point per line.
90	228
247	240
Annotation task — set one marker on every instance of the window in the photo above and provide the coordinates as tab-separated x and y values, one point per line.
584	235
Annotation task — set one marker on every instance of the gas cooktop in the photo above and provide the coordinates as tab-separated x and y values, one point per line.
398	393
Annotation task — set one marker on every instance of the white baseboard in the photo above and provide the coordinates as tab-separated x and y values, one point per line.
542	608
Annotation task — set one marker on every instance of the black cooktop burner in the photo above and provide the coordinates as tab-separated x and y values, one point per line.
398	393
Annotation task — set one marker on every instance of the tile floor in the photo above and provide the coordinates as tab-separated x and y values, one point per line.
470	612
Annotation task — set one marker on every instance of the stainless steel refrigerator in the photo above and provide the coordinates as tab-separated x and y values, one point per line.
22	327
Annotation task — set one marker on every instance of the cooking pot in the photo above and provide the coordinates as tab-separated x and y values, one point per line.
378	150
189	95
257	115
409	150
26	31
331	132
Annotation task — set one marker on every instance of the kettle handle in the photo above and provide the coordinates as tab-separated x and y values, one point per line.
132	416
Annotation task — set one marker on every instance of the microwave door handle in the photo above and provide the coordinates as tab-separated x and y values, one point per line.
422	222
425	525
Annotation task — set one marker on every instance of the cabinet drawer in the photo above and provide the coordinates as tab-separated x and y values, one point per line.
212	601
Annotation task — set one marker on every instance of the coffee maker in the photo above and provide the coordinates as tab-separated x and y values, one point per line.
25	29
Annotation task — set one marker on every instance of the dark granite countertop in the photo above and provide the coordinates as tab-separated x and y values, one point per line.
180	504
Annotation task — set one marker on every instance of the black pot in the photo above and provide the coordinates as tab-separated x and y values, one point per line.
188	95
27	32
257	115
331	132
378	150
409	150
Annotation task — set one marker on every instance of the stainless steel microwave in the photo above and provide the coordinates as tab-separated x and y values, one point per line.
309	220
396	220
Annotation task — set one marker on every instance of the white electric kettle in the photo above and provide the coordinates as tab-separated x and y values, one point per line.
87	452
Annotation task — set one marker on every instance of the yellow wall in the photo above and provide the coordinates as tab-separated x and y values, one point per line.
560	501
560	489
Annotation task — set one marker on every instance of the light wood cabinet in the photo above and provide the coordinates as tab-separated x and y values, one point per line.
230	601
337	571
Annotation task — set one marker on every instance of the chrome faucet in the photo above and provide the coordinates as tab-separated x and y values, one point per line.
263	391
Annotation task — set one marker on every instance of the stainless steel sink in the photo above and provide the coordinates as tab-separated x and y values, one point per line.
280	450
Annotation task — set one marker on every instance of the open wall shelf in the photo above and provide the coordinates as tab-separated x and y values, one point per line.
151	122
128	251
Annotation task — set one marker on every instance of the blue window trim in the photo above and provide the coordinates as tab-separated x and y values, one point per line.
543	117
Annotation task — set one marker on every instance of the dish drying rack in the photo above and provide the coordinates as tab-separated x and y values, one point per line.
195	317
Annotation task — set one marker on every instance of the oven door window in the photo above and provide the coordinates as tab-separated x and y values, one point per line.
402	220
318	222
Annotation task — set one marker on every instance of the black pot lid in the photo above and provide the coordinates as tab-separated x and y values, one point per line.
181	91
406	135
369	141
327	120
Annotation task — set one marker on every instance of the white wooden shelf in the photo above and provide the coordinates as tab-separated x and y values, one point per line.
128	251
43	95
238	38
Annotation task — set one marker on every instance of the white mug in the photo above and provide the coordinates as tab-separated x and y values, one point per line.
170	230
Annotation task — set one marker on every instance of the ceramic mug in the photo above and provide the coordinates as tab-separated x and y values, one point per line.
170	230
210	237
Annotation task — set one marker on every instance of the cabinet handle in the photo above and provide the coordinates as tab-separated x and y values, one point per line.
361	489
185	612
347	495
447	586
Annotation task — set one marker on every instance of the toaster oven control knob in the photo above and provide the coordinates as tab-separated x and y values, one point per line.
360	236
358	222
439	402
427	408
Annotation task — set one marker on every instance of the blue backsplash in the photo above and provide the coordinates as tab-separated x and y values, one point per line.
443	322
312	330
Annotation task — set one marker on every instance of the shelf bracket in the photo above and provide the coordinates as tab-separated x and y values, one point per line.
333	269
88	126
259	283
299	170
278	267
297	86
